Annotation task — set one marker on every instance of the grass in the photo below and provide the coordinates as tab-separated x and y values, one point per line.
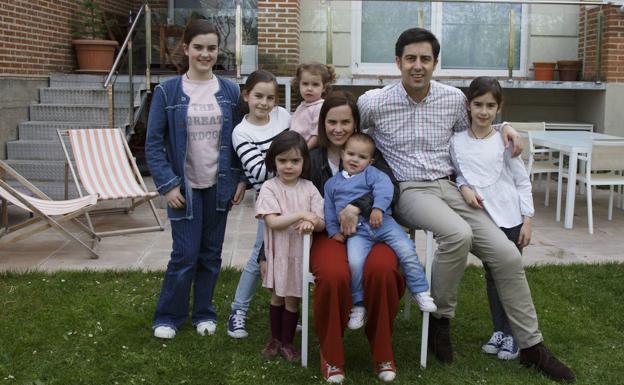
94	328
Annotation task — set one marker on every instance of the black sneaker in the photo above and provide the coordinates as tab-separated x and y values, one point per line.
440	339
236	324
542	359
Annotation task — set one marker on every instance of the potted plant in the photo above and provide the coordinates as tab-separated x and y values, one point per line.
94	51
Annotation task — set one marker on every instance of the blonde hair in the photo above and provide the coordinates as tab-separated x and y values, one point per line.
326	71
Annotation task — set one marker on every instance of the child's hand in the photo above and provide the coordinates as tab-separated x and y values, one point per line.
339	237
304	227
472	198
174	198
525	233
310	217
509	134
376	217
240	193
263	268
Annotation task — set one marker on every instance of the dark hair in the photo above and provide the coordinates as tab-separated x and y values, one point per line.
364	138
284	142
193	28
258	76
417	35
337	99
326	71
482	85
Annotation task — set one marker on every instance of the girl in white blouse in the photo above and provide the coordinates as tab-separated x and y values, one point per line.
489	178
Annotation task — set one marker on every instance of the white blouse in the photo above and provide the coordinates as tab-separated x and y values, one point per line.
502	181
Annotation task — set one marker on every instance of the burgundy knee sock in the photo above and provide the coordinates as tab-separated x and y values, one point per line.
289	326
275	316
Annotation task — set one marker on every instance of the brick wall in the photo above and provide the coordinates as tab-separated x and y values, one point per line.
278	36
612	53
35	37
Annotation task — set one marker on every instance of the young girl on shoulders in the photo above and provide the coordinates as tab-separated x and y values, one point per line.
490	179
313	81
251	139
290	207
189	117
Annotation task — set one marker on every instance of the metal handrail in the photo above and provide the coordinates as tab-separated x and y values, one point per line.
125	44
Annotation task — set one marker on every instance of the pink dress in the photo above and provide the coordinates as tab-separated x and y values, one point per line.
284	248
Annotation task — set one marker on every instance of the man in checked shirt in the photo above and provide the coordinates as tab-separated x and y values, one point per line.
412	123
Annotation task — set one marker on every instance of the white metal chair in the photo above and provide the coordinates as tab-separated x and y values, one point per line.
604	165
107	168
538	160
46	213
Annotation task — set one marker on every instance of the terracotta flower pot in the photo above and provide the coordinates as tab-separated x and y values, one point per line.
568	70
544	70
95	56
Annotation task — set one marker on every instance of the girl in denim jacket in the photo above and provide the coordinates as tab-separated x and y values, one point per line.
189	153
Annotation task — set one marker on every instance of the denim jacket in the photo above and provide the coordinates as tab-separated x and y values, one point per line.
165	146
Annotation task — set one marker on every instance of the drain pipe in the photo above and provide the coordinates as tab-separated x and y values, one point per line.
600	18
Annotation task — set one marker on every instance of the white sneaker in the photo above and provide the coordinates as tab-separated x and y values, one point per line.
204	327
508	350
164	332
494	344
424	301
357	317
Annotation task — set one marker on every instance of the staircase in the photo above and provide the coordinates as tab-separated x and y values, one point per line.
70	102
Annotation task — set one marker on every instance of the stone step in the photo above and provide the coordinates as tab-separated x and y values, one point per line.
35	149
47	130
53	189
92	96
92	81
42	170
77	113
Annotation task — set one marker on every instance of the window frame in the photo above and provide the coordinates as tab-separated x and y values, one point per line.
380	69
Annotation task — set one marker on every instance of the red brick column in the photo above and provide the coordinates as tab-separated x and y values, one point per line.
612	53
278	36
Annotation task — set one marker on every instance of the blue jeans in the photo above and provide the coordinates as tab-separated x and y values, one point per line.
248	282
195	259
360	244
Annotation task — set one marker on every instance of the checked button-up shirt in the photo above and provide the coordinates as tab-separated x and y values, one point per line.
413	137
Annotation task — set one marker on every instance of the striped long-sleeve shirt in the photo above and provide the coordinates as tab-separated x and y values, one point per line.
251	143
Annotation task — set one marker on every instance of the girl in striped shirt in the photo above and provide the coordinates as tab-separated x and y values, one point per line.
251	139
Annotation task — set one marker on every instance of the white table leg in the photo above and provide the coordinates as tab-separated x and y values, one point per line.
571	191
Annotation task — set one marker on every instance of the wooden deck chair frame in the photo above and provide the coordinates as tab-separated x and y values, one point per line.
137	193
40	221
308	279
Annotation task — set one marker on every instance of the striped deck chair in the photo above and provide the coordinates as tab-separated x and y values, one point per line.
107	168
47	213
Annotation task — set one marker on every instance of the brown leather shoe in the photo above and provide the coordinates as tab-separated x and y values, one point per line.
542	359
440	339
289	352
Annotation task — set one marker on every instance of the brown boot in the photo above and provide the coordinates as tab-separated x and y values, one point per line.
440	339
542	359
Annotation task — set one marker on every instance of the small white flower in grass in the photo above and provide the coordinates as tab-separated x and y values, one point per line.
94	342
164	345
62	280
124	347
34	352
29	282
97	282
90	335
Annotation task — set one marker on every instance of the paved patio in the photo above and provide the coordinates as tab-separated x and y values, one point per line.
551	244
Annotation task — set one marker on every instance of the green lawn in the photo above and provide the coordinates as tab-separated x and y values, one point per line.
94	328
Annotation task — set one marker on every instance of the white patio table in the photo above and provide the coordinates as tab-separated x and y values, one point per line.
571	143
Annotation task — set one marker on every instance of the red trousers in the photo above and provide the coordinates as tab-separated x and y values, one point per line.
383	288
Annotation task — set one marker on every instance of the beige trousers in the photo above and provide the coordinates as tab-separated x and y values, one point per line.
438	206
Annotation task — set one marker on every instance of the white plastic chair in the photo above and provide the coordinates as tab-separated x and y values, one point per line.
308	279
538	160
429	254
604	165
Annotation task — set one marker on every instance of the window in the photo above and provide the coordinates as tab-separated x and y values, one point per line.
474	36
